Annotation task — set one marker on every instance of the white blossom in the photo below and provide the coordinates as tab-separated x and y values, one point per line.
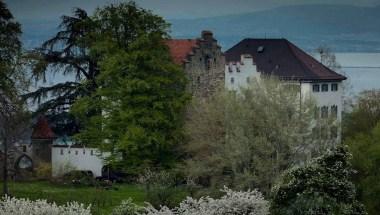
13	206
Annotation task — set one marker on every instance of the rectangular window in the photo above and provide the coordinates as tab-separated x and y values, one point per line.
334	87
24	148
315	87
92	152
334	111
237	69
232	80
61	151
324	132
317	112
324	112
248	80
76	152
333	132
325	87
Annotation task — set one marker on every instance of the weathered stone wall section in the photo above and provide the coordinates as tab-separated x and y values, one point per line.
205	67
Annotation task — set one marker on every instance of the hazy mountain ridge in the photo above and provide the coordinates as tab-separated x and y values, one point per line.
344	28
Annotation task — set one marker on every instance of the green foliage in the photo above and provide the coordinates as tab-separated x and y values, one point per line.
102	201
10	53
247	139
365	148
364	116
141	96
321	187
162	188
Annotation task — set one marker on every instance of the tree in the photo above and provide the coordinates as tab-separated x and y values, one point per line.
365	147
364	116
13	124
76	50
247	139
321	187
12	82
141	96
10	47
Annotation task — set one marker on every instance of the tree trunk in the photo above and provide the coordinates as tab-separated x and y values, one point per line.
5	168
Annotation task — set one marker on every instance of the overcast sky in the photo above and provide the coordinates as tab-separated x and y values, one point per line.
171	9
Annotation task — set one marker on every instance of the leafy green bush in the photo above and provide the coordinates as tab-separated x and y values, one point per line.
321	187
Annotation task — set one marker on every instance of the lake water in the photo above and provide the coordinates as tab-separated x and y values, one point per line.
361	69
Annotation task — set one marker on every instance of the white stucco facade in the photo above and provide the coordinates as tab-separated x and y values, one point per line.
327	94
240	74
66	158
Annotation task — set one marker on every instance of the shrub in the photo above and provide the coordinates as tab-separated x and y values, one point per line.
127	207
43	171
161	188
249	203
13	206
321	187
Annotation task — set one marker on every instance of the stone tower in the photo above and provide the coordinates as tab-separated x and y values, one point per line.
203	62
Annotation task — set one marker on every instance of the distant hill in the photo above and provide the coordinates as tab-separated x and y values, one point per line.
344	28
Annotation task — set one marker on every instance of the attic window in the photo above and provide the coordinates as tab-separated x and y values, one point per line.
260	49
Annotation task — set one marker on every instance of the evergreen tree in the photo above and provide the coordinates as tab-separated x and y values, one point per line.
10	49
76	50
321	187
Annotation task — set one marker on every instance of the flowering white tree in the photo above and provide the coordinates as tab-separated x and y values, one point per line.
248	203
13	206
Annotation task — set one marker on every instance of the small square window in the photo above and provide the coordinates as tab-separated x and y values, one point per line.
334	87
325	87
315	87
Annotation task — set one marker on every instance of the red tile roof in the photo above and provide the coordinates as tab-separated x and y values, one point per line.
283	59
180	49
42	130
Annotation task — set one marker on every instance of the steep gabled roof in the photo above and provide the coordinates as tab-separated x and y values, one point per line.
180	49
42	130
283	59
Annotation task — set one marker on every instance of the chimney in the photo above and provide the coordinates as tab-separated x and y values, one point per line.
207	35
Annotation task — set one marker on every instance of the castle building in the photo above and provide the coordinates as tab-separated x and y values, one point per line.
203	62
252	58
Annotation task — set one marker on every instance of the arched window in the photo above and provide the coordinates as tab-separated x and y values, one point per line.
24	162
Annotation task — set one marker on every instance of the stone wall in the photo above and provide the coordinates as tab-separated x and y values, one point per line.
205	67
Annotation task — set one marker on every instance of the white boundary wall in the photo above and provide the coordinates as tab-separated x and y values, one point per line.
66	158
